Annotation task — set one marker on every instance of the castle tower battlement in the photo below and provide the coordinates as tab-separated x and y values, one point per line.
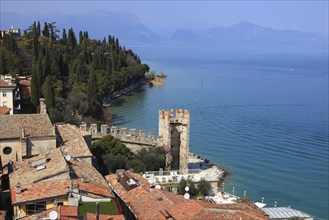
174	136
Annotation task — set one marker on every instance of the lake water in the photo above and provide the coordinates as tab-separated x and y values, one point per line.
263	117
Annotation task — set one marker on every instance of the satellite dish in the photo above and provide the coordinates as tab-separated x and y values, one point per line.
186	196
157	186
53	215
187	188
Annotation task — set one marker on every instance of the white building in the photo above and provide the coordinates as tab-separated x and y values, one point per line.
6	93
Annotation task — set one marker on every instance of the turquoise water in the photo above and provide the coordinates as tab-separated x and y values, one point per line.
264	117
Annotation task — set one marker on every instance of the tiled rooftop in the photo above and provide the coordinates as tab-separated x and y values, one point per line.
160	204
40	190
73	142
26	172
34	125
4	110
92	216
25	82
90	180
143	188
4	83
63	212
53	166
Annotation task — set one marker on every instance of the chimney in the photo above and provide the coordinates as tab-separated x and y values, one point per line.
43	108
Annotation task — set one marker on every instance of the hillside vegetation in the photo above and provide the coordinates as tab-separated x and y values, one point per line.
73	73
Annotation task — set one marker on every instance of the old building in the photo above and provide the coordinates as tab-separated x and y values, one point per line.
15	32
50	179
25	87
140	200
174	136
25	135
7	93
74	141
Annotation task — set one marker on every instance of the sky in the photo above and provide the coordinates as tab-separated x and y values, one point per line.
310	16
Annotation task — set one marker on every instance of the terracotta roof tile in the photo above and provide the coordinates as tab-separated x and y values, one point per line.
73	142
68	211
64	213
4	83
92	216
160	204
90	180
41	190
25	82
26	172
4	110
34	125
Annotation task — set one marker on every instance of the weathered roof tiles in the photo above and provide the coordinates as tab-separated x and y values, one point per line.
29	125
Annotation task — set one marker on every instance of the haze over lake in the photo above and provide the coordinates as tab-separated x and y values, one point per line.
262	116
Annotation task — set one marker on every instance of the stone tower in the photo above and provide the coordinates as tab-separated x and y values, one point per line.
174	136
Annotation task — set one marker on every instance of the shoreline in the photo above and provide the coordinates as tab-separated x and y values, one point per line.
207	166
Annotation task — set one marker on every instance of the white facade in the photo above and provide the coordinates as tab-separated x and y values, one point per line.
6	98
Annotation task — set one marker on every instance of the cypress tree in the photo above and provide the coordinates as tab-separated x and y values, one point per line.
45	31
35	46
38	31
92	90
80	37
86	36
34	85
2	63
46	63
39	73
71	39
64	36
48	92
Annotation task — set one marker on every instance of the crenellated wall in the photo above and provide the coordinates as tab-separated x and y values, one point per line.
173	136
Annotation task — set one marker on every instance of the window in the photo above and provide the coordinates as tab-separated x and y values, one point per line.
32	208
4	103
4	94
7	150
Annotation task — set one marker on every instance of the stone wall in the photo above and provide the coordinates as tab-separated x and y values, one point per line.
174	137
174	133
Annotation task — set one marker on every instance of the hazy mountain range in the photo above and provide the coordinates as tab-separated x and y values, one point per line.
133	32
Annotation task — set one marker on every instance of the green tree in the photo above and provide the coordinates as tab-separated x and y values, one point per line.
71	39
35	46
38	30
114	162
64	37
80	37
183	183
79	101
92	91
48	92
152	159
3	69
45	31
204	187
34	85
39	72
